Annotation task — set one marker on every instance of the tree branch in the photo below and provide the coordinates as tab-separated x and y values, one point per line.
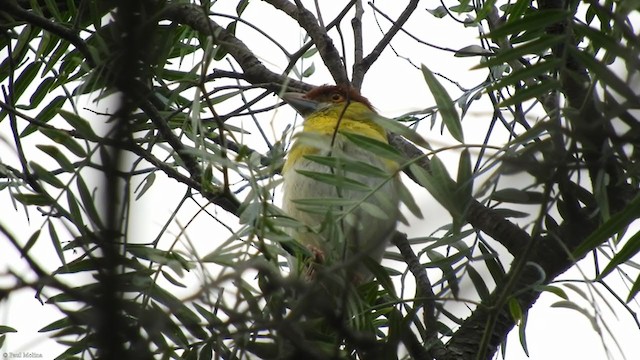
329	54
254	70
361	68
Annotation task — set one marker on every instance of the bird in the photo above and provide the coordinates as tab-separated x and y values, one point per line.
344	195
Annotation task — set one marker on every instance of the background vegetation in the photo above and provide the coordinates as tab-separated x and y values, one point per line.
184	94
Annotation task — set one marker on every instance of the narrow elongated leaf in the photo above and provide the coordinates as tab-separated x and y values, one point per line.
375	146
540	69
478	283
486	8
629	250
540	45
635	288
396	127
493	264
56	243
45	175
538	91
26	79
537	20
88	203
74	210
351	166
522	332
571	305
32	240
445	265
516	11
605	75
517	196
602	40
39	94
64	139
58	156
446	106
406	197
615	224
465	178
337	180
439	184
6	329
147	183
33	199
79	124
45	115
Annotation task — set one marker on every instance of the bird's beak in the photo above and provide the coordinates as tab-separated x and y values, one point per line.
297	101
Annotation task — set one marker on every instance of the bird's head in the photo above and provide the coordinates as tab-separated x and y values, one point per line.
327	98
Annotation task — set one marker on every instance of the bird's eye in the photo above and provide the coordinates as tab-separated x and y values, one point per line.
336	97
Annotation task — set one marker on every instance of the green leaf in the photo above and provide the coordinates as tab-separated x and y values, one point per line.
58	156
32	240
444	263
406	197
45	115
605	75
516	11
25	79
537	91
74	210
439	184
146	185
309	70
351	166
396	127
514	309
614	225
309	53
57	245
55	57
446	106
554	290
327	202
602	40
374	146
478	283
337	180
463	7
79	124
527	73
40	93
58	324
517	196
33	199
634	289
187	317
45	175
6	329
66	140
540	45
438	12
485	10
629	250
522	333
537	20
492	263
573	306
465	178
88	203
